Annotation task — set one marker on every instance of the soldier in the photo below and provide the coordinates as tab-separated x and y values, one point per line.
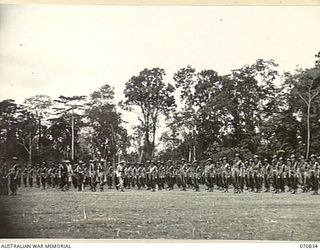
258	171
139	175
170	175
281	175
30	175
274	165
219	173
305	177
267	172
238	174
24	175
93	173
120	175
183	174
227	174
43	175
162	176
63	175
134	175
153	175
207	175
314	174
13	175
102	171
38	178
3	177
196	175
294	174
80	172
251	173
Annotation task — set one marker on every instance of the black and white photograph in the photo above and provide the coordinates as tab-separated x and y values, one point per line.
160	122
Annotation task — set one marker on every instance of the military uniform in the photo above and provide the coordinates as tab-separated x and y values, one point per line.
314	174
4	177
120	176
13	175
267	172
227	173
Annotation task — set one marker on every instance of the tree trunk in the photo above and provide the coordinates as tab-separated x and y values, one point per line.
30	149
308	131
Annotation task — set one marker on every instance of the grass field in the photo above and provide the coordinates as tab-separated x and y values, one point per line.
35	213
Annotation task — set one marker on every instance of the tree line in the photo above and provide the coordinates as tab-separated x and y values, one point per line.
252	110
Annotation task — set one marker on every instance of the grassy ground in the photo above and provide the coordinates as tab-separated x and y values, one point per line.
35	213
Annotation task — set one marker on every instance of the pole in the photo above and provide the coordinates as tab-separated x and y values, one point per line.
72	137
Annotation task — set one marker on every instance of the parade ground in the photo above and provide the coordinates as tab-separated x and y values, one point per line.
135	214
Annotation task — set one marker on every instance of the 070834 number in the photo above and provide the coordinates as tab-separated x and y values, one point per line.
308	246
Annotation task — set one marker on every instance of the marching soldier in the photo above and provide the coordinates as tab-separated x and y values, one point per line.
258	171
267	171
197	176
171	175
25	176
281	175
3	177
162	176
207	174
274	165
227	174
305	177
13	175
120	175
314	174
251	179
238	174
294	172
38	174
110	174
93	173
43	175
153	175
80	172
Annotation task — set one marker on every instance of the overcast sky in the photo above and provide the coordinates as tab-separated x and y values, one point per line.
74	50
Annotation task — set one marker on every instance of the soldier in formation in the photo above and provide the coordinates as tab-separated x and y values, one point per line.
255	174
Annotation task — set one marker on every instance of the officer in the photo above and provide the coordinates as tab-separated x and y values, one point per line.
183	174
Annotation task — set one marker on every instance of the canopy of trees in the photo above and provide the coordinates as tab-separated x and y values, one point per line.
253	110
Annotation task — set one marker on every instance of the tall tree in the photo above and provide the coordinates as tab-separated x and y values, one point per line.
305	84
154	98
107	133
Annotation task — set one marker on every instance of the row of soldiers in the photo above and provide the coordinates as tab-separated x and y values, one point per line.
254	174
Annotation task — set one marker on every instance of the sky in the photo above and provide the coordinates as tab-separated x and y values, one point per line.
74	50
